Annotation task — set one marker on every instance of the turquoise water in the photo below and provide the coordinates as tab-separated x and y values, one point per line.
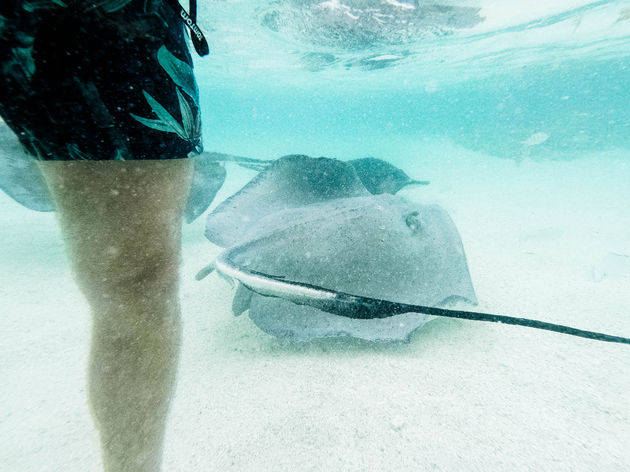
580	106
561	70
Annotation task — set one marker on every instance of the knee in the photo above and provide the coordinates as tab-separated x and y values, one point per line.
121	274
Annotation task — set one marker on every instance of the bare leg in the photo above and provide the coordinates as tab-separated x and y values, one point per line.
122	225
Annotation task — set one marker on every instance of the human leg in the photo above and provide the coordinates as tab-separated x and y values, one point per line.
121	222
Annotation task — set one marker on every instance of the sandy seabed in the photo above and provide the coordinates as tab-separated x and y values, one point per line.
460	396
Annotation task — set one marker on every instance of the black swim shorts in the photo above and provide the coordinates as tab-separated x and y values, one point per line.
98	79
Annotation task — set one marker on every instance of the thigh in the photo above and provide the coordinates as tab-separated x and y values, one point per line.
121	221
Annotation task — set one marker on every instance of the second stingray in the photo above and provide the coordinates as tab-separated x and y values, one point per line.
297	180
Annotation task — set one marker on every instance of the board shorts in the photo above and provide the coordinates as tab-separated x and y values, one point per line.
98	80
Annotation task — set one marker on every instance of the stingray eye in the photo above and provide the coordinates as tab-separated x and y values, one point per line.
412	221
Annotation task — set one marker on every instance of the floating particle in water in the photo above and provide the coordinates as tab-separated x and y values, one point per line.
536	138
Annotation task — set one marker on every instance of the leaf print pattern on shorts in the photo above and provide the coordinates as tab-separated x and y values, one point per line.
182	75
77	95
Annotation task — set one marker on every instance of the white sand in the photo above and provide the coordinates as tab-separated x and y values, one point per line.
461	396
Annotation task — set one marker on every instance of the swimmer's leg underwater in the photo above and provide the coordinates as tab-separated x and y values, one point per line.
92	103
121	222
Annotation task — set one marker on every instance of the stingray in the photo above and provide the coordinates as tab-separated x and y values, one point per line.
298	180
378	176
376	246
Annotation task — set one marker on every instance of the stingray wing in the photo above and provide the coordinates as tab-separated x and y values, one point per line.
20	178
208	178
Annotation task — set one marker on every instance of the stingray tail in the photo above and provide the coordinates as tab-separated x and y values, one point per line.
256	167
471	315
363	307
248	162
354	306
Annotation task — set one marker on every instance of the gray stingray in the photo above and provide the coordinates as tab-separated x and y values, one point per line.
378	176
376	246
298	180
